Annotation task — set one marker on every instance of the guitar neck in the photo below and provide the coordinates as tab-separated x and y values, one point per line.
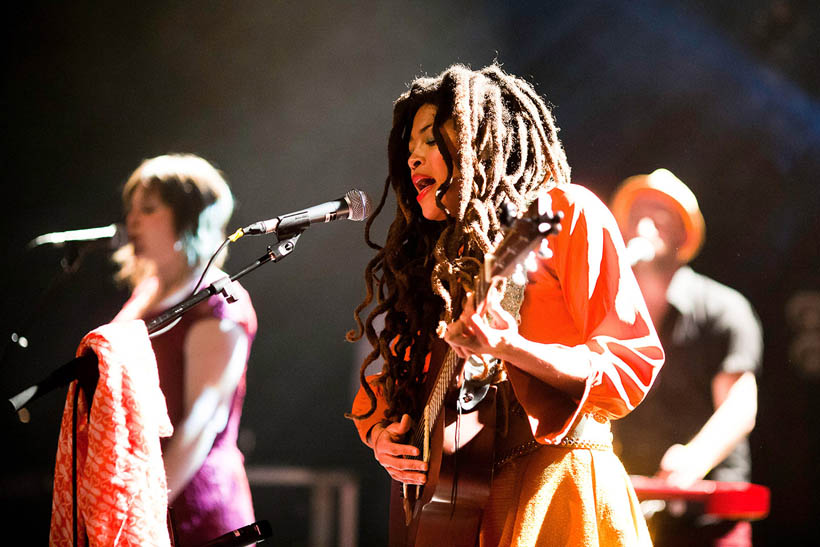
444	379
435	402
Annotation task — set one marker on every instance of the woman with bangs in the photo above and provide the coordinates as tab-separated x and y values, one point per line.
177	208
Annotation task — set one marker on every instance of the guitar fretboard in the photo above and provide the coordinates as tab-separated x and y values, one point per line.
435	402
449	368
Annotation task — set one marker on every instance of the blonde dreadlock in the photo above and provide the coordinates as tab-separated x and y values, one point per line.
507	150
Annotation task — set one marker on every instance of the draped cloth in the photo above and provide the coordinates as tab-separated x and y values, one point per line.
122	496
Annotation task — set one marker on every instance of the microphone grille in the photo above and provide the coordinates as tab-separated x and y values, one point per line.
360	206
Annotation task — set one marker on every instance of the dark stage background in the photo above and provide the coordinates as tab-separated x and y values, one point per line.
293	101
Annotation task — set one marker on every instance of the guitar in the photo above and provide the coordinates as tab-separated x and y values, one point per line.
458	446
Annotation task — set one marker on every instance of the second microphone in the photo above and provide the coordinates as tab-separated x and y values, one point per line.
354	205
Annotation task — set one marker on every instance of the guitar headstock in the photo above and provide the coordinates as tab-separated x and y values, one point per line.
525	233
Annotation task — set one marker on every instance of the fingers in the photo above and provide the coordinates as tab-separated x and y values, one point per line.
398	429
463	344
407	477
678	479
469	304
403	469
397	457
501	318
459	337
392	442
405	466
472	334
674	458
680	466
478	327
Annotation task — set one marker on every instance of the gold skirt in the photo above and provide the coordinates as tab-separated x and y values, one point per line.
563	497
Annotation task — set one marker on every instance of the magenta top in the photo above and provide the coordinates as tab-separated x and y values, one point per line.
217	499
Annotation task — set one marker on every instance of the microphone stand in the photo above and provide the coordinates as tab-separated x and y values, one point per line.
73	255
84	368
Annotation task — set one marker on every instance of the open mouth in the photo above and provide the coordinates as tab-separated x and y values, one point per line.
424	187
136	243
423	182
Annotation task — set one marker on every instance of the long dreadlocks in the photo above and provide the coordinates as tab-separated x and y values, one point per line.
507	149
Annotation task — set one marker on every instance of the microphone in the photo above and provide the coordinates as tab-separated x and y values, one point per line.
247	535
639	249
354	205
114	235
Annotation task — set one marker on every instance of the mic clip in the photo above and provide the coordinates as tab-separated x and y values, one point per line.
283	248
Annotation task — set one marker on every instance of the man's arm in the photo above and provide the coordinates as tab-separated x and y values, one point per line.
735	400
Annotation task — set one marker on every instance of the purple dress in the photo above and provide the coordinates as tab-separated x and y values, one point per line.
217	499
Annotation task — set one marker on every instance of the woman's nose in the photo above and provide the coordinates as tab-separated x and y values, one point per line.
130	220
414	160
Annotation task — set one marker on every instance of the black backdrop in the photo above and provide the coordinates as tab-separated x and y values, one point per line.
293	101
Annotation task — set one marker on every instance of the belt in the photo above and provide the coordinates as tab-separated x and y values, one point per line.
590	431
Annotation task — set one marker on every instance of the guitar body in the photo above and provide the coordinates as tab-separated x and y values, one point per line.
447	509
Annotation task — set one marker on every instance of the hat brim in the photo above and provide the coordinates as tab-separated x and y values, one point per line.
667	187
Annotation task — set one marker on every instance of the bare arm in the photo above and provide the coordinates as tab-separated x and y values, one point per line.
215	354
735	399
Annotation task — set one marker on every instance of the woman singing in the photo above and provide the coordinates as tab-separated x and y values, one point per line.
177	208
583	350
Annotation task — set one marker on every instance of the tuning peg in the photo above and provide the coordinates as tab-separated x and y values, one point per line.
508	213
519	276
544	250
531	262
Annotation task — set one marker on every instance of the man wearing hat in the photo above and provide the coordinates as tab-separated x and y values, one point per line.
695	421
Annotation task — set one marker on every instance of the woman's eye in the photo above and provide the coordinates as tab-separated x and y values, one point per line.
431	142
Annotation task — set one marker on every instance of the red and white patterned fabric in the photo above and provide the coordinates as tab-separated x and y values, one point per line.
122	495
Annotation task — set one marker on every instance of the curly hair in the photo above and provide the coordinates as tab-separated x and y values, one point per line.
507	149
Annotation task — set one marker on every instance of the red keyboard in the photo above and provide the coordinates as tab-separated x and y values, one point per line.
726	500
